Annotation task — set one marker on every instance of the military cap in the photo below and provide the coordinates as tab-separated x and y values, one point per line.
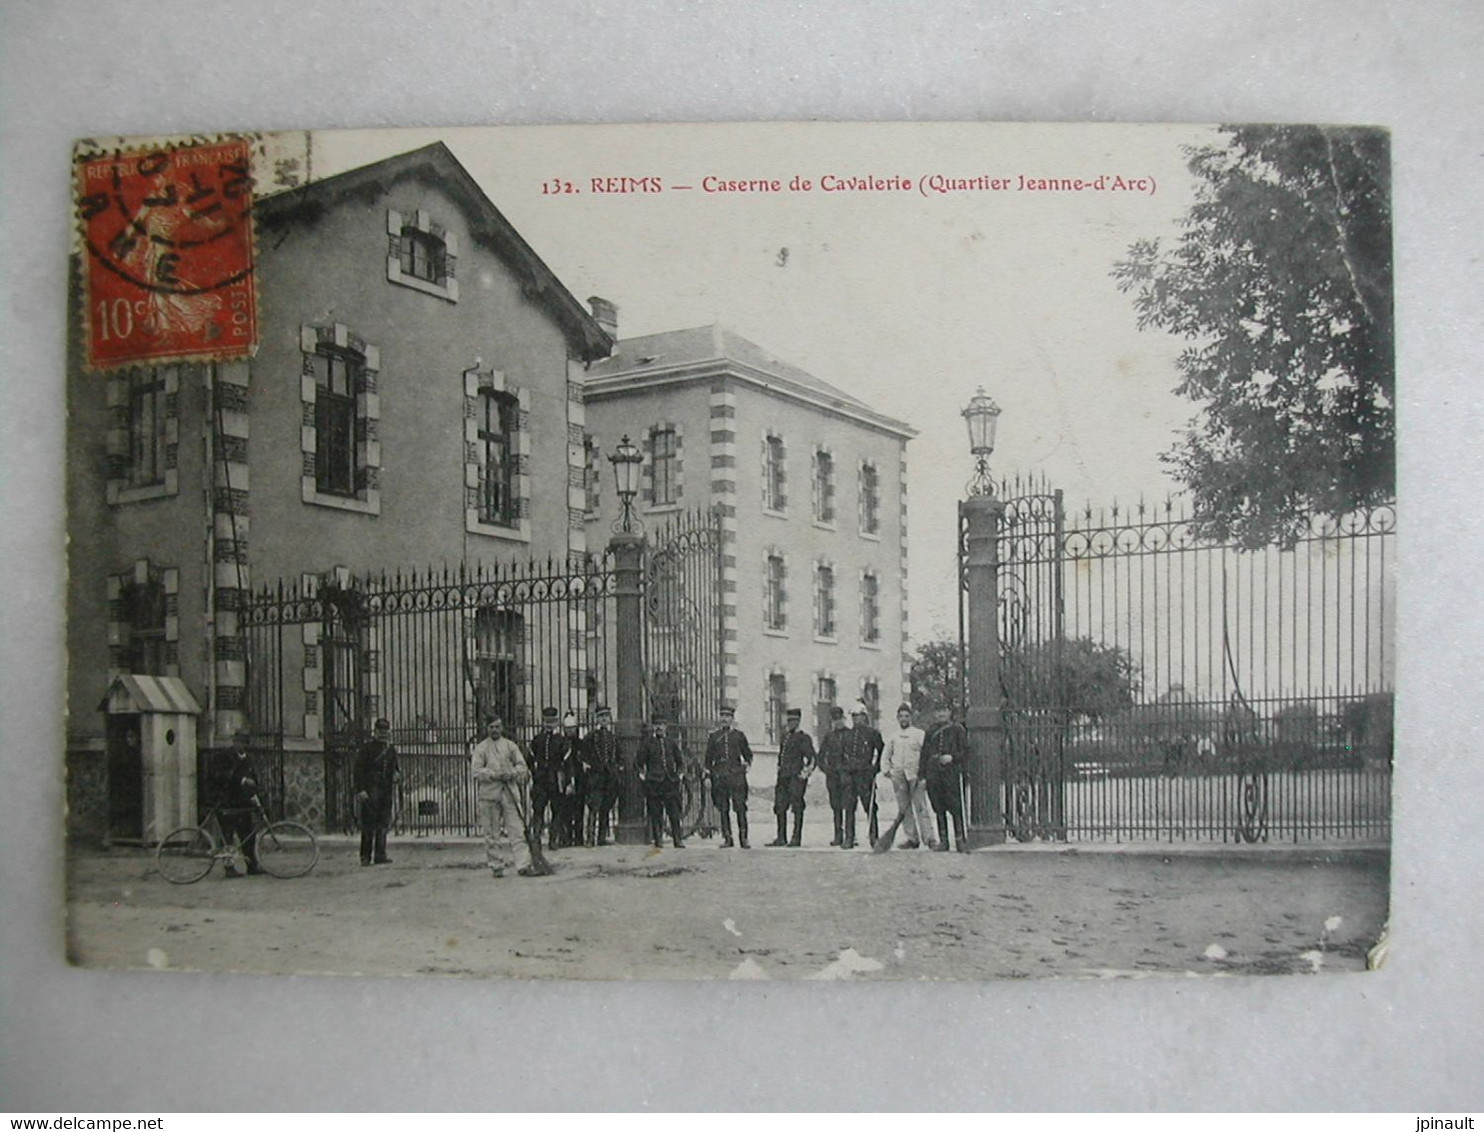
859	708
726	709
550	713
794	713
601	710
383	723
657	717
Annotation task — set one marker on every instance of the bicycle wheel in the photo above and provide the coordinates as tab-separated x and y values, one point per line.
185	855
287	849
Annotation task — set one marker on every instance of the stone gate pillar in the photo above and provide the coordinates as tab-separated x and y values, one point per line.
986	780
628	559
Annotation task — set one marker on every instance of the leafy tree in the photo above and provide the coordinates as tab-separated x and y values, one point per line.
1281	281
937	676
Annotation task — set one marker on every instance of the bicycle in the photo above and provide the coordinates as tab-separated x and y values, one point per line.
285	849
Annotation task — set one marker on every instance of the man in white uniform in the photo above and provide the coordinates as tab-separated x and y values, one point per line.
899	766
499	773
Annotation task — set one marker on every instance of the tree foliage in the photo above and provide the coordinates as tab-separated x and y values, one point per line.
1080	677
1281	281
937	676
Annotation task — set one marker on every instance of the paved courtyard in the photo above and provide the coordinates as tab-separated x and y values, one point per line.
707	912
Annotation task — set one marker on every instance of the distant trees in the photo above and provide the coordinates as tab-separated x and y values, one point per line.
1083	677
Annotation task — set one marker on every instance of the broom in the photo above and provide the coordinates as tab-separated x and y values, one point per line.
540	866
884	842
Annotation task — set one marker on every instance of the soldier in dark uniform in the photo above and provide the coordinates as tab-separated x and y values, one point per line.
727	758
236	791
604	769
795	764
548	760
863	746
376	778
574	783
661	767
945	757
832	762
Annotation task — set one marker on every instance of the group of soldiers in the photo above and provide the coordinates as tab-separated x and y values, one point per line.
855	756
564	787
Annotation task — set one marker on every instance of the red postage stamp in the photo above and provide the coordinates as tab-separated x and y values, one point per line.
168	254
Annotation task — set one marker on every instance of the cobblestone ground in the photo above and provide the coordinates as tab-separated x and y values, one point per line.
706	912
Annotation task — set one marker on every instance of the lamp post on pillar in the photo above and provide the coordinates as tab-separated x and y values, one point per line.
981	513
627	545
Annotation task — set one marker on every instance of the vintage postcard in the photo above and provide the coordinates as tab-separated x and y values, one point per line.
790	551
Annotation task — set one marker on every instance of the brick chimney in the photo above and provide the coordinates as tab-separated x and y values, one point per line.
605	314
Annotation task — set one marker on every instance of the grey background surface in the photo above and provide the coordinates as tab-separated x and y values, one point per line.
1409	1038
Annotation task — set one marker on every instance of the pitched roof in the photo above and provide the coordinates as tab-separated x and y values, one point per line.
674	354
488	226
130	694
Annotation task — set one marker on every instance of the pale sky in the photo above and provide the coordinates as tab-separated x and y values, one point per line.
907	301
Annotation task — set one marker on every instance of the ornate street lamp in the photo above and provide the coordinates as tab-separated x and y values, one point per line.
626	461
982	416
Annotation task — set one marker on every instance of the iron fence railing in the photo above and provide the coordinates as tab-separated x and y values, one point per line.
1159	684
436	651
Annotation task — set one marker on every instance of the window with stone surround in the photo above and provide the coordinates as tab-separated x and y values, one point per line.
870	607
499	636
826	696
342	410
422	254
661	476
775	593
497	456
144	432
870	499
824	487
775	474
144	627
824	600
337	374
147	417
775	706
498	416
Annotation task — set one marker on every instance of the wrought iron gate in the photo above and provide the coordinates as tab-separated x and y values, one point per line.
434	652
682	624
1157	684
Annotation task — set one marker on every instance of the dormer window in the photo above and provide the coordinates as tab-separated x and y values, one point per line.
422	254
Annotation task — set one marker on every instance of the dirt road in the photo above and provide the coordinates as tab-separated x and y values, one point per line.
705	912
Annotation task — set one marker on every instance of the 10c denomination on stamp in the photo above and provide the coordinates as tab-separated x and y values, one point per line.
168	254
